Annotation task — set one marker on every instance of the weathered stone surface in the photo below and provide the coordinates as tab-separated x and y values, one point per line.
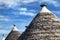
14	34
45	26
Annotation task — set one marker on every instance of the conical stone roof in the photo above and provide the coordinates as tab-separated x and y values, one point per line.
45	26
14	34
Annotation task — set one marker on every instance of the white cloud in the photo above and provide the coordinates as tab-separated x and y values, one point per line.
4	18
24	13
28	1
54	2
23	9
9	3
27	13
15	3
4	31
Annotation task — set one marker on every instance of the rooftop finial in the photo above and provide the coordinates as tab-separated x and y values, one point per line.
44	9
43	5
14	28
3	38
3	35
14	25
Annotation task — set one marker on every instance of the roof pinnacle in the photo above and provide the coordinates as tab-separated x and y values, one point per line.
14	28
43	5
44	9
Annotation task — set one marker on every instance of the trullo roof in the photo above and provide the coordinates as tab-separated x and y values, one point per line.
14	34
45	26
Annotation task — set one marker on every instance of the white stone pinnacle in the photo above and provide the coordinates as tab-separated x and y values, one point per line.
14	28
3	38
44	9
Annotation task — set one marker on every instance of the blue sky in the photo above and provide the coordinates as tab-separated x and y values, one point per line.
21	13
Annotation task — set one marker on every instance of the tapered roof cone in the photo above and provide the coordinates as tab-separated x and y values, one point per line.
3	38
14	28
44	9
14	34
45	26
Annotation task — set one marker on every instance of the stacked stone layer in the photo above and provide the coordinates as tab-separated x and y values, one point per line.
45	26
14	34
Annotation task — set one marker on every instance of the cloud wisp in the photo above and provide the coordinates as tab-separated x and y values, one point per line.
15	3
9	3
4	31
4	18
26	12
54	2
